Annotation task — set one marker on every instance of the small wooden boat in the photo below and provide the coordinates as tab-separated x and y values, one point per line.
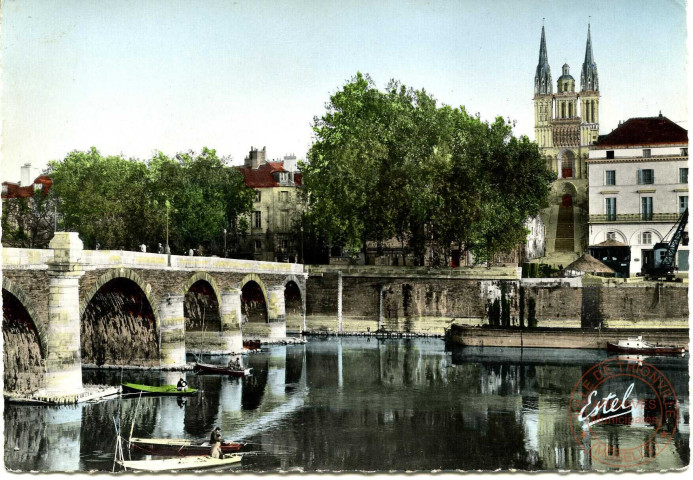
181	463
161	390
639	346
252	344
179	446
206	368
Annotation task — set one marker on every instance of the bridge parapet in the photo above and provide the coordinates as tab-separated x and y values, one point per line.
24	258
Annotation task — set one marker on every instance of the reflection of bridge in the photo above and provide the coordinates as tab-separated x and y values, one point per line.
68	306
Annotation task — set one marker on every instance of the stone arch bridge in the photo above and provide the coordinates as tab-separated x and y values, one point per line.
65	306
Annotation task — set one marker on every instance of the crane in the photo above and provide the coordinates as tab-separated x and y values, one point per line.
664	253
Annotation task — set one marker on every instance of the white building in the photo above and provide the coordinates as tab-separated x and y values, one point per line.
638	186
536	238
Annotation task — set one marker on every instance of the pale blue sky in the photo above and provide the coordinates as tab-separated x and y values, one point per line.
132	77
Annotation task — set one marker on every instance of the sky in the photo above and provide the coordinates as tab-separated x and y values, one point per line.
134	77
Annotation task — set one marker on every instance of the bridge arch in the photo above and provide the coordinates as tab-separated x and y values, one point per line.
253	307
294	302
24	341
30	308
119	321
202	306
121	273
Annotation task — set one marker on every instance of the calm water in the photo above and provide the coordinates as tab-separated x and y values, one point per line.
354	404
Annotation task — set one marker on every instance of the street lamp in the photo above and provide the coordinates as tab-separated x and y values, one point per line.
168	249
224	243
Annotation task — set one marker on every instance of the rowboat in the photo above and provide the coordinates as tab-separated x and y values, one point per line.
638	346
205	368
181	463
161	390
179	446
252	344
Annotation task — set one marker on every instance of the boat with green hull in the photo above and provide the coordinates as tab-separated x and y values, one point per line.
130	388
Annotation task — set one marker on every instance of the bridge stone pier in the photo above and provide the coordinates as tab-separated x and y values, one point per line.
64	307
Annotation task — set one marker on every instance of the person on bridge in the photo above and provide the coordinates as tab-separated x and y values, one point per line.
181	385
215	441
160	249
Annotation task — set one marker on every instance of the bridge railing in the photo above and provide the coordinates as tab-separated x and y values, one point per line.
18	258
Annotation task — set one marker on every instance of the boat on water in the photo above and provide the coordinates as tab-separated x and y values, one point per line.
202	462
206	368
639	346
160	390
179	446
252	344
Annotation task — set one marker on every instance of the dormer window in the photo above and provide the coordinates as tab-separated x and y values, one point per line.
684	152
646	153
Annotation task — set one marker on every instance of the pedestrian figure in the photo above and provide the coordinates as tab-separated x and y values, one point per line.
98	245
143	248
160	249
215	441
182	385
191	252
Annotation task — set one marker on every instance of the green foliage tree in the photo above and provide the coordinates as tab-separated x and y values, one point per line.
122	203
393	164
28	222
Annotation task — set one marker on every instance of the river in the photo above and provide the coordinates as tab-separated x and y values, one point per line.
354	404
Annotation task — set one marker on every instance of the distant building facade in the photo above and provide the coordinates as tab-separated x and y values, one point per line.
638	186
566	123
277	207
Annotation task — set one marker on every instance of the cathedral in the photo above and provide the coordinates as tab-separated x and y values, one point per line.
566	123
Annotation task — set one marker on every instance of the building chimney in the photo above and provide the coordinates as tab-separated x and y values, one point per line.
290	163
25	178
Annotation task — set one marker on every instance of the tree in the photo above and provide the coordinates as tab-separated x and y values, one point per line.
28	222
122	203
393	164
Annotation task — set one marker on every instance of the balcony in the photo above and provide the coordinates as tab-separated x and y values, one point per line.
634	217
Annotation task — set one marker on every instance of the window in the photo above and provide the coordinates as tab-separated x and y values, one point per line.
611	209
683	203
646	152
611	235
646	238
258	220
610	177
284	221
609	154
646	211
258	244
284	196
684	152
258	195
683	175
645	176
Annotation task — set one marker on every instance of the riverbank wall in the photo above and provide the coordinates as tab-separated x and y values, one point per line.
423	301
559	337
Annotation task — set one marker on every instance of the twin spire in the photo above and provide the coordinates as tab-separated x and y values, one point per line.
589	80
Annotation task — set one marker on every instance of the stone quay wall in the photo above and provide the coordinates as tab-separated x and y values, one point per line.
426	302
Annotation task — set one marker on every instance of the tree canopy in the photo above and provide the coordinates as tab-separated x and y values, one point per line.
395	165
118	202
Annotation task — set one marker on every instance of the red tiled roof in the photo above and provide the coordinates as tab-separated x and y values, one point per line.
15	191
262	177
645	131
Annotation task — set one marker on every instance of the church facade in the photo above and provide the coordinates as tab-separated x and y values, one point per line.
566	123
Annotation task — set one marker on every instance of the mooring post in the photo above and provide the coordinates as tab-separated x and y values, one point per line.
340	325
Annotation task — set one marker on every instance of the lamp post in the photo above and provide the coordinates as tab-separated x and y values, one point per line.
224	243
168	249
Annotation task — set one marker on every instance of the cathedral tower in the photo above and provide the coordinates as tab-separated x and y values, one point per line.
566	123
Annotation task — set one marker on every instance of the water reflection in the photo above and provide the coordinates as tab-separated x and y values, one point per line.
357	404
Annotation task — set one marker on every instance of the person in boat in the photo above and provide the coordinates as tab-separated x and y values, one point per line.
181	385
215	441
235	364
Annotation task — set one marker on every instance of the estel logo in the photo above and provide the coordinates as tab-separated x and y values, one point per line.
619	394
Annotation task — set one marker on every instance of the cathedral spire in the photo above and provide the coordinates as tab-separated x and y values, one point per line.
542	79
589	80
